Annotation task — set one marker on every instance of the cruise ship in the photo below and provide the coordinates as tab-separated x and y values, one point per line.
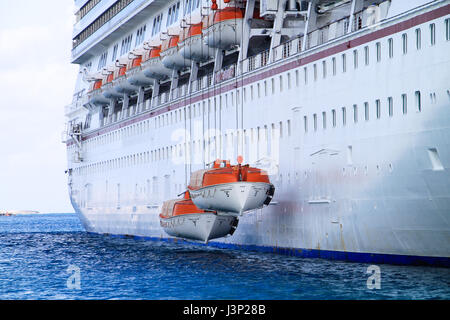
345	104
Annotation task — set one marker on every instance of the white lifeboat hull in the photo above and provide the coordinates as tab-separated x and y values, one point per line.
96	97
172	59
121	85
202	226
224	34
109	92
136	77
194	48
236	197
154	69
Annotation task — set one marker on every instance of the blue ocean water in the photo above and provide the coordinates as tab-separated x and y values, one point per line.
39	253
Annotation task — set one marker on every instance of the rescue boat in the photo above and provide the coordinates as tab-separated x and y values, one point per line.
135	73
191	44
120	83
153	66
224	28
233	189
183	219
171	57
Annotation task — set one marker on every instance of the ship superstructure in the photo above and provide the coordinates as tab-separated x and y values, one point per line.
344	103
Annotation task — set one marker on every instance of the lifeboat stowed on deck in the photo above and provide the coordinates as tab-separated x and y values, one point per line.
192	45
108	87
232	189
171	56
135	74
120	82
224	28
183	219
153	66
95	95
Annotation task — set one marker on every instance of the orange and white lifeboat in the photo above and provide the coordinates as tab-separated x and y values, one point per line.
95	94
183	219
192	46
224	28
171	57
108	87
232	189
120	82
153	67
135	74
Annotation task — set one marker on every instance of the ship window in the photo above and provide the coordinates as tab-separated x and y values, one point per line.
432	34
297	82
315	72
366	55
315	121
344	63
102	60
281	129
333	116
418	39
355	113
289	127
305	123
418	101
355	59
265	88
324	69
333	60
390	49
114	55
390	107
273	85
447	29
289	80
324	120
404	103
305	71
344	116
405	43
281	83
378	46
378	108
366	111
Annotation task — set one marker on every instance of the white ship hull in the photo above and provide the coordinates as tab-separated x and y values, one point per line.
371	187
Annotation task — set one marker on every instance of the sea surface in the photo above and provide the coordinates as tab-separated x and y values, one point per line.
49	256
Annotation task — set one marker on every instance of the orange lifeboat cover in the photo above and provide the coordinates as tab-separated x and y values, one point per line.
228	13
122	71
136	62
110	77
177	207
97	85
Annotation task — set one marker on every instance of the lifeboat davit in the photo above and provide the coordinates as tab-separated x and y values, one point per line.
121	84
192	46
171	57
232	189
224	28
135	74
95	95
153	67
183	219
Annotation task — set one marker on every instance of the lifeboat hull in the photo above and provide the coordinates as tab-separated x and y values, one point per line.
138	78
122	86
109	92
202	226
194	48
224	34
235	197
173	59
98	98
155	69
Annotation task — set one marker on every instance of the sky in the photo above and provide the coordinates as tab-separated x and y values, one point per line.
36	81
